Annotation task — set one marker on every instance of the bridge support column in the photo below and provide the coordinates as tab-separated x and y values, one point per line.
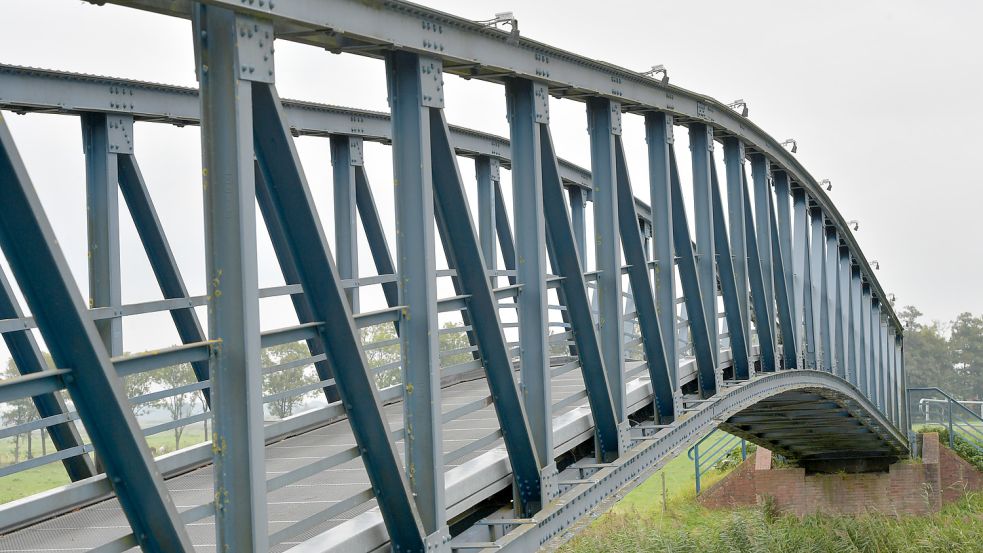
641	288
728	287
528	109
604	125
659	136
858	377
800	279
346	154
230	251
843	321
701	151
757	279
734	160
578	203
783	228
487	174
103	137
830	279
761	179
866	354
817	262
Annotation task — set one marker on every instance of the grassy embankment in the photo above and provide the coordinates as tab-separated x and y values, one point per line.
638	523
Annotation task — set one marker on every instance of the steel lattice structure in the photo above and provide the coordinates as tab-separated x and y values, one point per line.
766	321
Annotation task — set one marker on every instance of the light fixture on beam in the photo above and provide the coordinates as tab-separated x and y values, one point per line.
876	265
892	298
656	69
855	224
505	18
826	184
791	142
739	104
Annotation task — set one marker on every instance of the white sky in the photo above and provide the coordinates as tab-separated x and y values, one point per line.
881	96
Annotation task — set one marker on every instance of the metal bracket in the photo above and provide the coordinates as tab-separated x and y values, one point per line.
254	49
495	167
670	137
616	118
439	541
624	436
431	82
551	483
541	102
355	151
120	132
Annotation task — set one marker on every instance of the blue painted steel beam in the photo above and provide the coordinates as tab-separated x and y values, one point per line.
102	218
783	234
291	197
800	278
844	355
565	258
660	372
415	84
487	174
228	182
858	377
604	125
578	217
734	161
28	359
876	373
346	154
736	322
135	193
528	108
701	153
761	180
375	235
703	345
866	352
504	230
41	270
783	294
830	278
659	135
758	279
817	263
461	245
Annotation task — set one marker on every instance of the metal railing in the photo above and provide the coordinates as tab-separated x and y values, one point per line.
939	408
716	446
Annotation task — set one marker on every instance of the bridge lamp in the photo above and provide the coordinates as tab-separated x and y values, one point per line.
826	184
505	18
739	104
656	69
795	146
855	224
876	265
892	298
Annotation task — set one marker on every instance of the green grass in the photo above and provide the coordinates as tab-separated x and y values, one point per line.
680	486
52	475
688	527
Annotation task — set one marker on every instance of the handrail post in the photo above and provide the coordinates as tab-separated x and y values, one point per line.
949	405
696	466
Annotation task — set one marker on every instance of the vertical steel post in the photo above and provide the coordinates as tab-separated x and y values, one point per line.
658	135
103	137
876	374
734	162
528	108
892	380
844	329
346	154
783	232
831	257
701	151
411	95
800	252
866	351
728	286
375	236
604	124
761	175
858	378
817	262
228	181
765	325
578	202
641	288
486	172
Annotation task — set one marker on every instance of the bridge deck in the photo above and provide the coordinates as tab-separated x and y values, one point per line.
95	525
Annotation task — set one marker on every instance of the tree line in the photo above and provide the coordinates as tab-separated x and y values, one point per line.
944	354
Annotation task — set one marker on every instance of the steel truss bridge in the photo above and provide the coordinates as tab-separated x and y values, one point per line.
760	315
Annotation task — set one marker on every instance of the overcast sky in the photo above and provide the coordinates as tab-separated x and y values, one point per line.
882	98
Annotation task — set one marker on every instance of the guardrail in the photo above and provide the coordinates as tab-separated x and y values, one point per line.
958	419
716	445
